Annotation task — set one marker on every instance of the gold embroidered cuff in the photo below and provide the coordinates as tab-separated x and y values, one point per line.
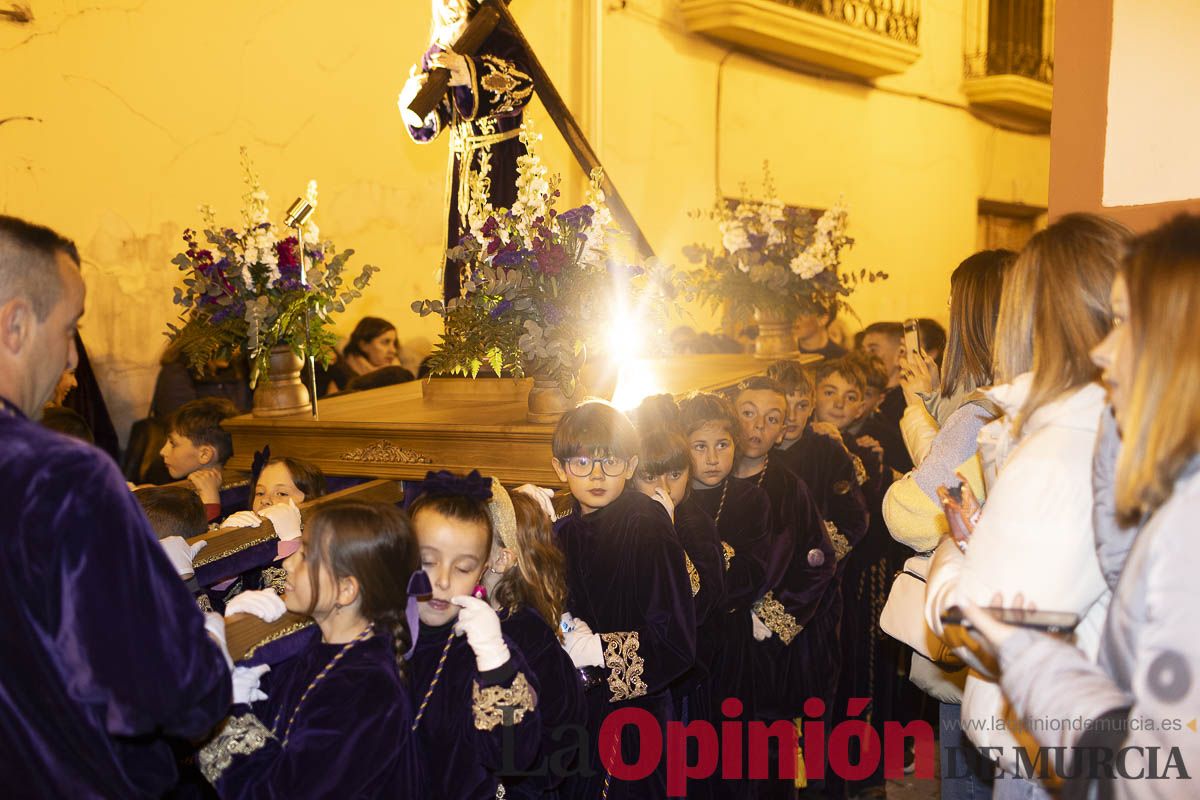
502	705
241	736
693	576
729	552
776	617
625	665
860	472
841	545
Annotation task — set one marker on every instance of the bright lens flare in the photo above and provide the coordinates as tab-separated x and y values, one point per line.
636	376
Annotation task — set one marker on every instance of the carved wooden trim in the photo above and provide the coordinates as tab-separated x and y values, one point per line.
384	452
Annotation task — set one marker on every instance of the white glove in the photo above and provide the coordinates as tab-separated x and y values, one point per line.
544	497
286	519
181	553
242	519
585	648
245	683
478	621
261	603
214	623
761	631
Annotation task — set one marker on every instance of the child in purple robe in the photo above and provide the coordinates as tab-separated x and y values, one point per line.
802	558
742	514
526	584
335	719
664	470
477	701
197	447
869	671
632	624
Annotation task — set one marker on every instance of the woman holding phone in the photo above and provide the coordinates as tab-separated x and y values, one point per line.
1148	665
1035	535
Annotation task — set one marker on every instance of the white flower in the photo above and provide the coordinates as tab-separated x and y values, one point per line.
775	234
734	236
742	265
806	265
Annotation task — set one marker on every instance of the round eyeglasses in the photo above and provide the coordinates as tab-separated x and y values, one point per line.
583	466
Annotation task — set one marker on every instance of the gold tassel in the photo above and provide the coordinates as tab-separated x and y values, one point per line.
801	781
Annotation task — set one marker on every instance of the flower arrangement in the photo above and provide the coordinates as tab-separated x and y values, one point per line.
536	282
775	260
246	288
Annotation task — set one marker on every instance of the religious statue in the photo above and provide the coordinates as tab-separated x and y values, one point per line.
488	92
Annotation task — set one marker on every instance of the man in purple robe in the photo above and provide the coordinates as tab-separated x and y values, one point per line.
103	654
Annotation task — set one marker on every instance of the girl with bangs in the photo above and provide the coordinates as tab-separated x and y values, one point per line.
477	701
1149	655
742	514
335	719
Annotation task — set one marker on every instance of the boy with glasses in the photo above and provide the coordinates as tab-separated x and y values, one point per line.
630	626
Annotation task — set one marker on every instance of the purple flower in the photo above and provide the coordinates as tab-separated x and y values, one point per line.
552	314
490	226
578	217
510	256
501	307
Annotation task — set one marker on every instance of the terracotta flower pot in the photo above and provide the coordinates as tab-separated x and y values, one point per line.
547	402
281	392
775	339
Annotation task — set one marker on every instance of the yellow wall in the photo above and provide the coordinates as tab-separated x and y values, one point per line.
141	107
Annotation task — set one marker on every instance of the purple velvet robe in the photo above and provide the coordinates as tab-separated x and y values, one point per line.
560	702
830	472
103	651
491	105
351	737
627	578
796	595
467	739
743	522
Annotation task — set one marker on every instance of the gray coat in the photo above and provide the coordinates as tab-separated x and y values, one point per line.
1148	662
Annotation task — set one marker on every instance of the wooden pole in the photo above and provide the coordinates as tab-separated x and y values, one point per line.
571	131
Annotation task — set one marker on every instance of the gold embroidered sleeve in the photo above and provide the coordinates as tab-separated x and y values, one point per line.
204	604
729	552
841	545
241	736
776	617
625	665
860	472
693	576
494	706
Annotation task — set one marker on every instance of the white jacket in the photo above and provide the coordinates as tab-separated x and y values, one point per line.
1034	538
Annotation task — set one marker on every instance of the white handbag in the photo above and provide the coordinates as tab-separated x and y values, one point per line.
903	616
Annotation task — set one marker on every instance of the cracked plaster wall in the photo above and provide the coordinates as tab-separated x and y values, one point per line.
139	109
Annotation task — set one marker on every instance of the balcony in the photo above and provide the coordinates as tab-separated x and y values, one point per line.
868	38
1009	58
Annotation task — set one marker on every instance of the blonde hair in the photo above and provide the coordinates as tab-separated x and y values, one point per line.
1055	307
1161	426
538	579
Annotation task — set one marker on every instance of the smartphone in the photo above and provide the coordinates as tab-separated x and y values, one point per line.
912	337
951	497
1045	621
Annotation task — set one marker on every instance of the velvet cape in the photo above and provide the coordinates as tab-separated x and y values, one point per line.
627	578
103	653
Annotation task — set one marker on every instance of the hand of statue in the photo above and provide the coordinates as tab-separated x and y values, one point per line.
460	74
